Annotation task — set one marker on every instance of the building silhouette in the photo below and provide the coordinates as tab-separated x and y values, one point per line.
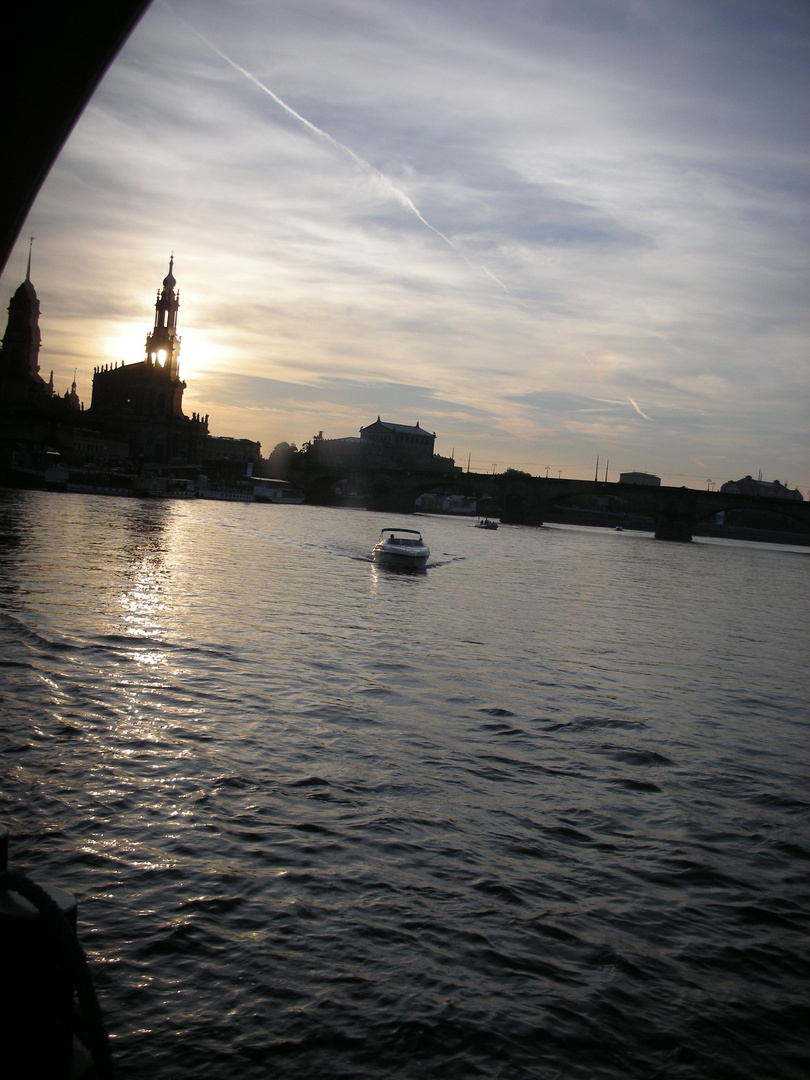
769	489
381	445
389	444
35	421
21	385
142	403
136	415
643	478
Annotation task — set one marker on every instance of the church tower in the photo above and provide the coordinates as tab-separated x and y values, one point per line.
142	403
22	339
163	344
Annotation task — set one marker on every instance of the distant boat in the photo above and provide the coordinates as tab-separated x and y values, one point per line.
486	523
401	549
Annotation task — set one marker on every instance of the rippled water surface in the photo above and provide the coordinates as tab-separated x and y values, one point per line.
540	811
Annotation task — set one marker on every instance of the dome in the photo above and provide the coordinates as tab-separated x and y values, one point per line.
168	281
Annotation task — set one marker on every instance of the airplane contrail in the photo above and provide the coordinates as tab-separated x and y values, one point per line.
495	279
324	136
640	411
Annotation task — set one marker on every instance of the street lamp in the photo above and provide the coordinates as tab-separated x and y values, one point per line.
494	463
547	468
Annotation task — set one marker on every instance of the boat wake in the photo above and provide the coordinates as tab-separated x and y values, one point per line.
447	558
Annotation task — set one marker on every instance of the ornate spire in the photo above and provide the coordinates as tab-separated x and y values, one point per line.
163	344
169	282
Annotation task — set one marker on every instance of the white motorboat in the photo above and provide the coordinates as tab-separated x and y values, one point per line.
401	548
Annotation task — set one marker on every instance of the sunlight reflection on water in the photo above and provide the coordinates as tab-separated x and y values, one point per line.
533	812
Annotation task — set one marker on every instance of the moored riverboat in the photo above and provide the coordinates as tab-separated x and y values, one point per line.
276	491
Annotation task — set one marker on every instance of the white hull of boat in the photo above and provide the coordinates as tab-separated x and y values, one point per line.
276	491
226	496
281	500
395	559
401	549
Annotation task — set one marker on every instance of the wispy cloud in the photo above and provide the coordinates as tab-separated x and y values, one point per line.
396	192
633	179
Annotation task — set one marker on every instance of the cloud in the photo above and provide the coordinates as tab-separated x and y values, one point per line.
521	221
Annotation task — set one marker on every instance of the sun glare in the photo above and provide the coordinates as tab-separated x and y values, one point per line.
199	353
124	343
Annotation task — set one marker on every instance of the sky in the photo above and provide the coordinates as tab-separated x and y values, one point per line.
550	231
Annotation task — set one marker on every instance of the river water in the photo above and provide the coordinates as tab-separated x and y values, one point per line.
540	811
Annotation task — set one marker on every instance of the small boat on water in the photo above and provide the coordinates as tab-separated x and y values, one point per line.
486	523
401	549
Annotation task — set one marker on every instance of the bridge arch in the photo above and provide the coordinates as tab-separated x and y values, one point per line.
521	499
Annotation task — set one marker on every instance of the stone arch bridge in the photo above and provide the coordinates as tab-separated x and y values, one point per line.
523	500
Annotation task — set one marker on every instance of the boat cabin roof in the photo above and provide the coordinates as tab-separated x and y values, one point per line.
389	533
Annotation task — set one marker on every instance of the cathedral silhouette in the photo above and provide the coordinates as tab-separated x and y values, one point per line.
136	414
142	403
